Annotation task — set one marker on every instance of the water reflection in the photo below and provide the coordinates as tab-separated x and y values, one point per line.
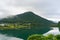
54	31
4	37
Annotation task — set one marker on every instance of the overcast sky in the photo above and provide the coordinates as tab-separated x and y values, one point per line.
49	9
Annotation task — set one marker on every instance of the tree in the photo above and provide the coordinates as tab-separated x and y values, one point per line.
41	37
57	37
36	37
58	25
50	37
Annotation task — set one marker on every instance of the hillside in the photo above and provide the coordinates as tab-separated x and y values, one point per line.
38	25
27	17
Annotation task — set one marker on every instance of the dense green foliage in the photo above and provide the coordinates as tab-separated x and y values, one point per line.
14	26
36	37
41	37
24	25
58	25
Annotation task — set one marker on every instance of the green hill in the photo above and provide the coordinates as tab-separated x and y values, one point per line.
27	17
38	25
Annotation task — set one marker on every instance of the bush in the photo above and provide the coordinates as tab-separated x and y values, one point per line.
57	37
41	37
36	37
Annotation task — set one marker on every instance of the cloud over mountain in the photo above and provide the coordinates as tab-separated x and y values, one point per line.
49	9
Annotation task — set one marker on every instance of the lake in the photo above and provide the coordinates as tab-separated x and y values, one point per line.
54	30
5	37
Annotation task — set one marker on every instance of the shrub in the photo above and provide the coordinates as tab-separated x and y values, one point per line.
36	37
41	37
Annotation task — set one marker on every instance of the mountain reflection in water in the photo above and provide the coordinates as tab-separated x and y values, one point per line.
54	30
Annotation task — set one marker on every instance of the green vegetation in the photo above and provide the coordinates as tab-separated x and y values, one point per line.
41	37
14	26
58	25
36	37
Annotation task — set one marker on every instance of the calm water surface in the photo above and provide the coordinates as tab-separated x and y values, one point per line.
54	31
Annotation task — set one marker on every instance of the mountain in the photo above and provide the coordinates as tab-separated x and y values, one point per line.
38	25
27	17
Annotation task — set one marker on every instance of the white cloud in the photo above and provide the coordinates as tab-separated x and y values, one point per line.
45	8
4	37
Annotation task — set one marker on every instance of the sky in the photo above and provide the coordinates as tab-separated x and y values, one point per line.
5	37
49	9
